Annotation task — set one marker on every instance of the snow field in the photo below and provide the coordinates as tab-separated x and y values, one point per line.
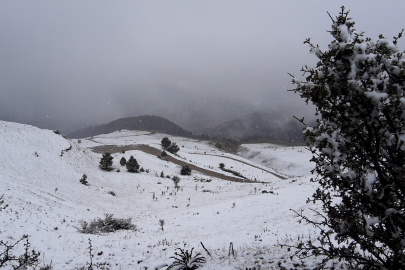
48	202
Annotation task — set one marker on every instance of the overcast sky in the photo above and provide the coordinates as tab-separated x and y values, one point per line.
68	64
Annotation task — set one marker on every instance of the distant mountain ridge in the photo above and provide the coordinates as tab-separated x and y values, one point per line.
258	125
143	122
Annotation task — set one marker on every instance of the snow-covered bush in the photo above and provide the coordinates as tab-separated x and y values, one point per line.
106	225
358	148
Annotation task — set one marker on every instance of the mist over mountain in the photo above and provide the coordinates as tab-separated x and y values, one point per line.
258	124
143	122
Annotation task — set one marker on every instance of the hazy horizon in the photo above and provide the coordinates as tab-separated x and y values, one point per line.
71	64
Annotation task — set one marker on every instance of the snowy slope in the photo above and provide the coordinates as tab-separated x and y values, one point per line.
47	201
291	160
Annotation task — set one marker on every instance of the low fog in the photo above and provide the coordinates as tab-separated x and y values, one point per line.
70	64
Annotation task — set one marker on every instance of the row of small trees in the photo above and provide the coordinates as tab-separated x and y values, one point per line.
106	163
131	164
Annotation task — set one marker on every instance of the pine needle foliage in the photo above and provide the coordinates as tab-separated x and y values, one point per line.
165	142
106	161
358	148
123	161
132	165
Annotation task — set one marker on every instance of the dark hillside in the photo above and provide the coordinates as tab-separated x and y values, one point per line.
143	122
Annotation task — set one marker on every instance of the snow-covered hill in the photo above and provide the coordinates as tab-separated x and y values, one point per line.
40	173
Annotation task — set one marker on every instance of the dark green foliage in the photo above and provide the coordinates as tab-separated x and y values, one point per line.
83	180
185	170
123	161
132	165
173	148
358	149
164	154
165	142
176	181
221	165
106	161
186	261
106	225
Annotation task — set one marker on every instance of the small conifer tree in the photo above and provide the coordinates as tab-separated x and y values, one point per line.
83	180
123	161
173	148
165	142
185	170
132	165
106	161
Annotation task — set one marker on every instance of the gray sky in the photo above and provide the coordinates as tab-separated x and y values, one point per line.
67	64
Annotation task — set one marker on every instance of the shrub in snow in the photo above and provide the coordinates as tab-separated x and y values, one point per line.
176	181
186	261
165	142
123	161
161	223
221	165
173	148
106	161
358	148
83	180
8	259
164	154
185	170
106	225
132	165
